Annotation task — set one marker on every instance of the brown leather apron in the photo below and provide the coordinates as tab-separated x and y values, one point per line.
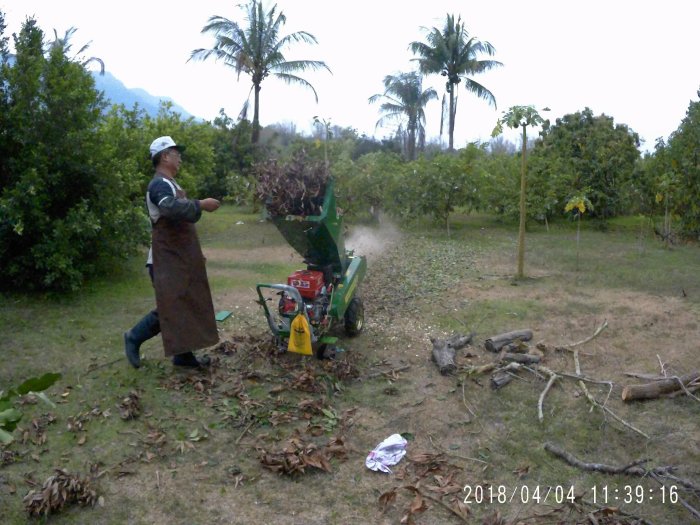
183	297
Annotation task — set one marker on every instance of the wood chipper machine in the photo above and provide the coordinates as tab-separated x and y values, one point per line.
302	312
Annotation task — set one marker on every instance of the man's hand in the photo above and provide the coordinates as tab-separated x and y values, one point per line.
209	204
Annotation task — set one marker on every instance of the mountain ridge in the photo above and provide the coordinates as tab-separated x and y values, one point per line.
117	93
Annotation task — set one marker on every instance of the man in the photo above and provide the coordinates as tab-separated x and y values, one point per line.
184	310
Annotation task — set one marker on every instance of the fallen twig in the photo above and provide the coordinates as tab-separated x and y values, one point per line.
464	400
387	372
594	402
571	346
631	469
646	377
552	378
94	366
245	431
687	505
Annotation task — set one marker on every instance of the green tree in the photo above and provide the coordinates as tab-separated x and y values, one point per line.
582	152
405	101
63	212
370	188
683	165
256	48
520	116
233	159
438	185
452	53
499	186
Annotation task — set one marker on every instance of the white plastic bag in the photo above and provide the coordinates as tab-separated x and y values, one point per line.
388	452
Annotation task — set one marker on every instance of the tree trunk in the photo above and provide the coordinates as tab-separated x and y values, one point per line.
521	229
497	342
411	141
656	389
451	122
256	116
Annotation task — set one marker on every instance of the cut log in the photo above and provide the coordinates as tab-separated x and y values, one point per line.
516	347
500	379
444	351
460	341
656	389
495	343
444	356
524	359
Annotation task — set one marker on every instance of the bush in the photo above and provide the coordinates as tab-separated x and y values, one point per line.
65	206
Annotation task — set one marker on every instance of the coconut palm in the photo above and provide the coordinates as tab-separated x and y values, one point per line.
451	52
405	102
256	49
63	43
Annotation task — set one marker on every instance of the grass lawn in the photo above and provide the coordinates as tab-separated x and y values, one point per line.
204	445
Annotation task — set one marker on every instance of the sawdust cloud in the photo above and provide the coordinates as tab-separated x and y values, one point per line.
373	241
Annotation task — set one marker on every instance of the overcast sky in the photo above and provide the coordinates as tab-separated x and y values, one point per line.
635	60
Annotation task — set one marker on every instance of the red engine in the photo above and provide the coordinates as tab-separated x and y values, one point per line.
314	293
308	282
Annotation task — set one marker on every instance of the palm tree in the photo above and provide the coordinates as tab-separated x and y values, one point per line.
405	101
65	46
455	55
256	49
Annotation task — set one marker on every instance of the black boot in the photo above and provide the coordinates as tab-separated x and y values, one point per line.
188	359
146	328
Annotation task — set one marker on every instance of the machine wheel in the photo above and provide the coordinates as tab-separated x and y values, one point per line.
354	317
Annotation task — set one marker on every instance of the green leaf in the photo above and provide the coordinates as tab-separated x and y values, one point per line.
45	399
408	436
9	418
37	384
5	437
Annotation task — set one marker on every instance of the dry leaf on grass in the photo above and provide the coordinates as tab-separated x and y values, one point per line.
445	485
417	506
298	455
8	457
60	490
522	471
226	347
387	499
311	407
460	508
341	368
77	423
130	406
305	381
495	519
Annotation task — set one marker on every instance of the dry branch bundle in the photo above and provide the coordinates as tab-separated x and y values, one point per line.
59	490
295	187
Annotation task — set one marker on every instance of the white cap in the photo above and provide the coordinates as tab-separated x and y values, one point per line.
162	143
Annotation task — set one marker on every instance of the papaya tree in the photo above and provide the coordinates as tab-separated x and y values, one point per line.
520	116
